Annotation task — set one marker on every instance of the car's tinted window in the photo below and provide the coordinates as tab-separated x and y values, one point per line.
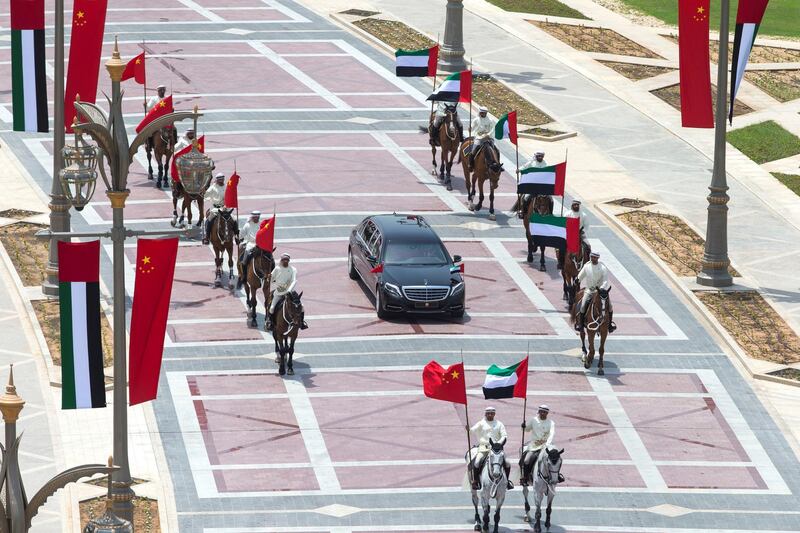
374	243
366	231
415	253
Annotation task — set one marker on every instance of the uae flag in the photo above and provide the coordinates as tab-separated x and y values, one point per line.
155	269
748	19
416	63
82	382
508	382
28	82
135	69
693	60
85	47
446	384
506	127
456	88
232	192
543	180
556	232
164	107
173	167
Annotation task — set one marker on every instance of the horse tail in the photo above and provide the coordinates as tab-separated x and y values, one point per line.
515	207
423	129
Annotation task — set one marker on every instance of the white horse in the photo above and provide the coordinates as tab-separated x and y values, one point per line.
494	484
546	474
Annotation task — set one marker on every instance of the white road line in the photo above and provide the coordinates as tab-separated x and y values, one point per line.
293	15
312	436
627	433
528	287
299	75
422	175
5	115
197	8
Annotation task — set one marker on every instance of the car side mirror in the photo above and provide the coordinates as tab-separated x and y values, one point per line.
456	259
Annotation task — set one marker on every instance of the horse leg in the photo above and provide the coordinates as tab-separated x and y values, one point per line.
149	164
486	509
548	511
527	505
230	266
491	203
542	267
586	363
591	349
475	505
166	168
601	351
282	364
480	195
537	519
289	367
433	157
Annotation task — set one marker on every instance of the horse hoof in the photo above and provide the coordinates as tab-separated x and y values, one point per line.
526	519
173	222
530	259
471	207
492	217
449	186
477	528
542	268
290	372
587	365
281	372
278	359
601	372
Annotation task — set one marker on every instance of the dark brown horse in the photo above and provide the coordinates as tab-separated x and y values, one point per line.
541	204
487	167
223	229
162	143
257	277
289	316
573	262
179	193
448	140
598	320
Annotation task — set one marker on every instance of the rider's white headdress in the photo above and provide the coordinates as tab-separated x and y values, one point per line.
482	109
255	213
219	175
489	410
543	407
594	254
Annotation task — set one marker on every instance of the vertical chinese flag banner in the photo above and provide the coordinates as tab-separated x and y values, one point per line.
155	269
232	192
85	49
695	71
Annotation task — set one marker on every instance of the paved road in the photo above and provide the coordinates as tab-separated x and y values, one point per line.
672	438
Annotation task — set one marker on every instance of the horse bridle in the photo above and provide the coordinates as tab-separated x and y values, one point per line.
544	457
287	300
224	220
597	321
450	114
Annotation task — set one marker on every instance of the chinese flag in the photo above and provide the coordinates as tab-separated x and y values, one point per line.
155	269
164	107
695	74
85	48
232	192
135	69
265	236
173	168
447	384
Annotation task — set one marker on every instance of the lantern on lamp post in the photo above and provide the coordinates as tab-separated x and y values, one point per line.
79	176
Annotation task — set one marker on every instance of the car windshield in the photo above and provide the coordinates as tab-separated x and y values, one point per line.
415	253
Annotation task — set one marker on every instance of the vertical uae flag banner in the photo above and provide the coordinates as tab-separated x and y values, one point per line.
85	48
28	81
155	269
693	56
748	19
416	63
455	88
81	345
506	127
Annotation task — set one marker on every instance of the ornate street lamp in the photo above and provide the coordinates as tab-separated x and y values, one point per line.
79	177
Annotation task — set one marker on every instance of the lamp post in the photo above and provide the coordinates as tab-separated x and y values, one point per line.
77	184
715	264
452	52
59	205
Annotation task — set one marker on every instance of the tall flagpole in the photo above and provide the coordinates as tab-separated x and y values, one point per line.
471	76
466	413
525	405
566	154
144	85
519	196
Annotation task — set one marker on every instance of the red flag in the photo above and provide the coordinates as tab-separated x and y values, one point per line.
85	47
433	60
173	168
521	386
164	107
265	236
573	235
232	192
748	19
135	69
448	384
378	269
27	14
695	74
155	269
465	86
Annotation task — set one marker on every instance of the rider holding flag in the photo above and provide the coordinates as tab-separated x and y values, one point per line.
485	429
215	197
593	276
542	431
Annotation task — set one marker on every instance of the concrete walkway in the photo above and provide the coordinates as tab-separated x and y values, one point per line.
638	146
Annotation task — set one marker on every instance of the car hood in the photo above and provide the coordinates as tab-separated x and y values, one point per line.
417	275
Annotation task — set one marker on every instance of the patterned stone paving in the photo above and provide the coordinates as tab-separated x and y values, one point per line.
671	439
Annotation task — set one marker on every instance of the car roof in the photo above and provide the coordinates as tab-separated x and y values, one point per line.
400	226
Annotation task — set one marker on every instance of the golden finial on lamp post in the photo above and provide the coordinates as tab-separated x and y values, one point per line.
10	402
115	65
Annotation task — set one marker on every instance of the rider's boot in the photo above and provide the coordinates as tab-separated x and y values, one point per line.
270	322
611	326
476	477
472	158
240	279
460	133
509	484
303	325
579	321
207	231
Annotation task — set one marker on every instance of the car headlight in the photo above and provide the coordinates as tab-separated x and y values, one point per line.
392	289
458	287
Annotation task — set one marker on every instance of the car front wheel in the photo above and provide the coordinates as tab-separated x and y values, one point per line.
382	314
351	268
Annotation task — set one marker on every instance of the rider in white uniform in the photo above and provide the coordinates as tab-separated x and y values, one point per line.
485	429
154	100
247	235
593	276
438	117
482	131
214	197
283	280
542	430
184	141
537	161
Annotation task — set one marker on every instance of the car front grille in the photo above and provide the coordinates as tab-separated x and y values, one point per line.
426	293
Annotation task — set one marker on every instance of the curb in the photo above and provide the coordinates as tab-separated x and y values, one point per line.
710	320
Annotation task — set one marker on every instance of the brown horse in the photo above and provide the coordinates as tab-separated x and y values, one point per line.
289	316
162	142
487	167
223	229
598	320
449	139
179	193
573	263
543	205
257	277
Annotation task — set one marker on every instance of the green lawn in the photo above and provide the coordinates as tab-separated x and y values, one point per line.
790	180
780	19
764	142
553	8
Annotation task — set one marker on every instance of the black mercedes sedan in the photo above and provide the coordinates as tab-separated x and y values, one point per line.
405	265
